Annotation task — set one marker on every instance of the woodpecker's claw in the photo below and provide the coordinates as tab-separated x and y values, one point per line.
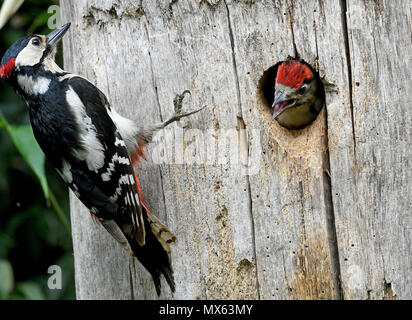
178	101
178	115
178	104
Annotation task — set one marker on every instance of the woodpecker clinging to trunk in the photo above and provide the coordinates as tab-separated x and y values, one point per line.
91	146
299	94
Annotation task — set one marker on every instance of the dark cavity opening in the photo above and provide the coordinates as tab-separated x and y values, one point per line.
266	86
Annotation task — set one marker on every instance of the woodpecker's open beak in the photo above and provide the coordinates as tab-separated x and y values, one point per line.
281	103
53	37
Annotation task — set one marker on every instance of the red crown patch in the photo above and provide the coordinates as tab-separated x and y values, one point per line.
6	68
292	73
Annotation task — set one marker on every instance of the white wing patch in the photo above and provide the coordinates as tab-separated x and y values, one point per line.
93	151
119	142
125	179
33	87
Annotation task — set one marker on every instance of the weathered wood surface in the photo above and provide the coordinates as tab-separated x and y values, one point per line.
373	187
325	212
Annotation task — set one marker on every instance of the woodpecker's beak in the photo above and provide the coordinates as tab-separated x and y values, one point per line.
53	37
281	97
281	103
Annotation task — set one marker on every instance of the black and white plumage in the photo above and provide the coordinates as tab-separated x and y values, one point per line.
91	146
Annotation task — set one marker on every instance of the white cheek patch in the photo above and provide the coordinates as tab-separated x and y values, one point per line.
93	151
33	87
29	56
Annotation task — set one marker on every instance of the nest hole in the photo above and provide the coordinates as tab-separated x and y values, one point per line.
266	89
266	86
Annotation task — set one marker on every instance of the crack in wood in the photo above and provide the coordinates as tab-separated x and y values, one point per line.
388	291
152	71
232	45
132	295
344	20
328	201
290	14
302	211
160	111
163	193
330	223
316	64
241	125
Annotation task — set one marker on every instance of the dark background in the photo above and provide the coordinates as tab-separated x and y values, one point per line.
33	236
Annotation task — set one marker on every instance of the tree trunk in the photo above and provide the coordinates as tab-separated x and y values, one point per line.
319	213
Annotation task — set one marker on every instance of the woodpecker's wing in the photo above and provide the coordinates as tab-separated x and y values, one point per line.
104	163
97	202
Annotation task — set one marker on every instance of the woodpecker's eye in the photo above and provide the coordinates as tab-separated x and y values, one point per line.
303	89
35	42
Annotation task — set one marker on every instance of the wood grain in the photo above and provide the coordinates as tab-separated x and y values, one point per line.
319	213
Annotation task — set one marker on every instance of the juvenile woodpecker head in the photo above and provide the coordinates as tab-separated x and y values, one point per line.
298	94
32	53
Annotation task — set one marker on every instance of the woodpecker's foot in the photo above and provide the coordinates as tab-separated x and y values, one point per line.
178	101
178	104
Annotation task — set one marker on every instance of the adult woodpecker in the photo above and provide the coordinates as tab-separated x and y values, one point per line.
298	94
92	147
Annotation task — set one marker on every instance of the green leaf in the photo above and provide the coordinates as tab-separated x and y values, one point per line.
41	20
31	290
6	279
6	242
59	212
26	144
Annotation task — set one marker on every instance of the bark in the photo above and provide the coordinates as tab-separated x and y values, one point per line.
322	213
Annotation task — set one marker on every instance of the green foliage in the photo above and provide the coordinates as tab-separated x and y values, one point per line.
6	279
30	290
34	228
26	144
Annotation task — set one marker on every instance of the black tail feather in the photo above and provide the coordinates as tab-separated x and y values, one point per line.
168	274
156	280
155	259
